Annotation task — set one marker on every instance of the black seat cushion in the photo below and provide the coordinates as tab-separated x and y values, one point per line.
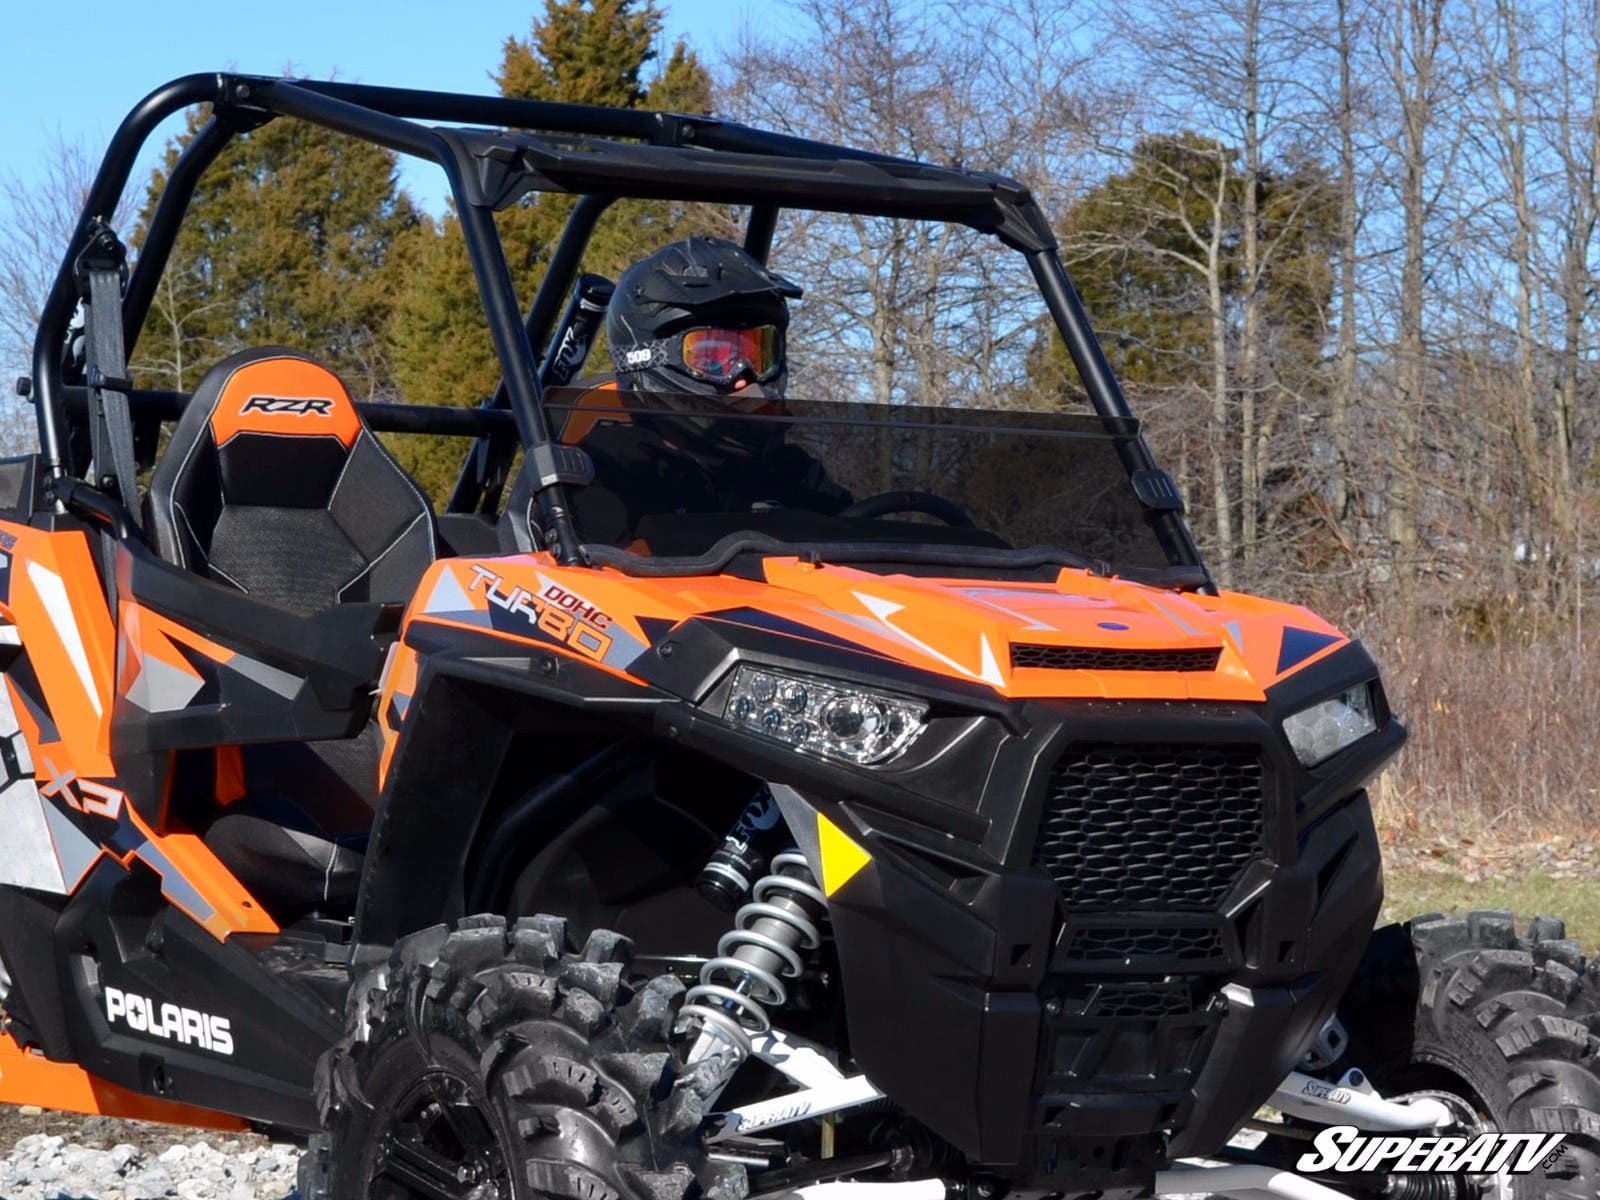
295	822
272	484
290	872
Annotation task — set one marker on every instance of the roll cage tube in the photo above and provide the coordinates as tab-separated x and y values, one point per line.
165	222
483	473
487	169
109	182
1105	393
758	234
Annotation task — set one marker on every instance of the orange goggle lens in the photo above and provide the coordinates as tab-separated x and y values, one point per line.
722	355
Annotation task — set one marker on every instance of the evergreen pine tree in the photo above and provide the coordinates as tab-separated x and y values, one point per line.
291	239
579	51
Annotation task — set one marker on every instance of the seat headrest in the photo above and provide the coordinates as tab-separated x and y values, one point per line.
283	395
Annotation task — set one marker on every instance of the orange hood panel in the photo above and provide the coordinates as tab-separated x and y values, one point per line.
956	627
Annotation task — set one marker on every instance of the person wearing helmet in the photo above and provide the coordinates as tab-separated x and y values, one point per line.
696	333
701	317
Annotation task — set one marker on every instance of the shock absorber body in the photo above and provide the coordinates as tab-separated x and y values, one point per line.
729	1005
744	854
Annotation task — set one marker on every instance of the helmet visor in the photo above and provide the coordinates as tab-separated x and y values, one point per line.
720	355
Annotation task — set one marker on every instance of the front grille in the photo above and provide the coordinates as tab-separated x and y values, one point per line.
1108	944
1142	999
1100	658
1151	828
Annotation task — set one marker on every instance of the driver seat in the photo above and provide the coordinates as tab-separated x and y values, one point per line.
273	485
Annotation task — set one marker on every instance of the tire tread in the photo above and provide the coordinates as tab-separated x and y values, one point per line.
1513	1015
575	1059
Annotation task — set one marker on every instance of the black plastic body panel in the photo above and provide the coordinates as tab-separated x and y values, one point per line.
118	931
335	656
475	695
959	986
966	1000
19	486
27	929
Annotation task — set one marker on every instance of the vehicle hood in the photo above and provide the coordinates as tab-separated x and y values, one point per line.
988	631
1079	635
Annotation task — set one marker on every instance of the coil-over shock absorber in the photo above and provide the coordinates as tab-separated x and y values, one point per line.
729	1005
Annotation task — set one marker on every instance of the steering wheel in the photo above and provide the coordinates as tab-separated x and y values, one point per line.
885	503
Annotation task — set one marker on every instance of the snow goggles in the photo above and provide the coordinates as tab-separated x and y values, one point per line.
719	355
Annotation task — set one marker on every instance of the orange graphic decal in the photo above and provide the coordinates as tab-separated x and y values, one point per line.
59	608
29	1078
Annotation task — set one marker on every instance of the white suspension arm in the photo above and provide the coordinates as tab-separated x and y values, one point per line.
1345	1104
912	1189
796	1106
1234	1179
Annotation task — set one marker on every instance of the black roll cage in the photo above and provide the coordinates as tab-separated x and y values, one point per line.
596	153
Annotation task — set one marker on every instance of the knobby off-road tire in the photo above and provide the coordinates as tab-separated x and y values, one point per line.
491	1061
1465	1005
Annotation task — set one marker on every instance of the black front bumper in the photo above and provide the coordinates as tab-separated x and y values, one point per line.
1073	1022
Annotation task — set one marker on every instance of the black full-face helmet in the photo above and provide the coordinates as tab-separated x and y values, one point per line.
702	318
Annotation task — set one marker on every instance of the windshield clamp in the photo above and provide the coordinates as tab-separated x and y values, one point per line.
552	463
1157	490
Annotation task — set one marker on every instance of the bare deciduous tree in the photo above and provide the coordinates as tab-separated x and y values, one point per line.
41	207
897	310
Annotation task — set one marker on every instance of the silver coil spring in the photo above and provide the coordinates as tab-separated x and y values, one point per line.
758	954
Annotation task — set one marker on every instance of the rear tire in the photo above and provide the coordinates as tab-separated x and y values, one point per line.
1465	1006
491	1061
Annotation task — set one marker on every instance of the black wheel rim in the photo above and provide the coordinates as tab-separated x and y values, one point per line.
440	1144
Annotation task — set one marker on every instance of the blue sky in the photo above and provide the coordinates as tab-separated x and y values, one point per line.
77	69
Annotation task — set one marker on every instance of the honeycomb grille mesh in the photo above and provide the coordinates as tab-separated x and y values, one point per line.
1112	944
1139	1000
1099	658
1151	828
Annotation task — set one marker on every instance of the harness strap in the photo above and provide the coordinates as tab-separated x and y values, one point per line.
102	271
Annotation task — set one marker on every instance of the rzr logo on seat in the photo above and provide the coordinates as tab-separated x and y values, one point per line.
308	406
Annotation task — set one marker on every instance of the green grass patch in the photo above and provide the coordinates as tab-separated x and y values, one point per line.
1408	892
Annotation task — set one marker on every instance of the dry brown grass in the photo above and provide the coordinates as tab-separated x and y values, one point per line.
1495	800
1505	734
1500	693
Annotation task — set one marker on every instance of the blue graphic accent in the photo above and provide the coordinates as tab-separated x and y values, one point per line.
1300	644
1117	625
754	618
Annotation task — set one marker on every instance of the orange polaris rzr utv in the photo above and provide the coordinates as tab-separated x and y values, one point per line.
961	839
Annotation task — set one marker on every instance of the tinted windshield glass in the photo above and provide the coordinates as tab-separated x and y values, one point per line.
675	474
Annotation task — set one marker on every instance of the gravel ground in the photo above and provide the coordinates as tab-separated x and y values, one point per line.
55	1156
58	1156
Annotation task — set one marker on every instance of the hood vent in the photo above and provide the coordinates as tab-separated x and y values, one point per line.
1101	658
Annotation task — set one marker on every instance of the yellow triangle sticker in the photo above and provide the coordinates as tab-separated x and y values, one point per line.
842	859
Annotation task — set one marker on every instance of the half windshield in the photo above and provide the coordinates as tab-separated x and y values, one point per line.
677	476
